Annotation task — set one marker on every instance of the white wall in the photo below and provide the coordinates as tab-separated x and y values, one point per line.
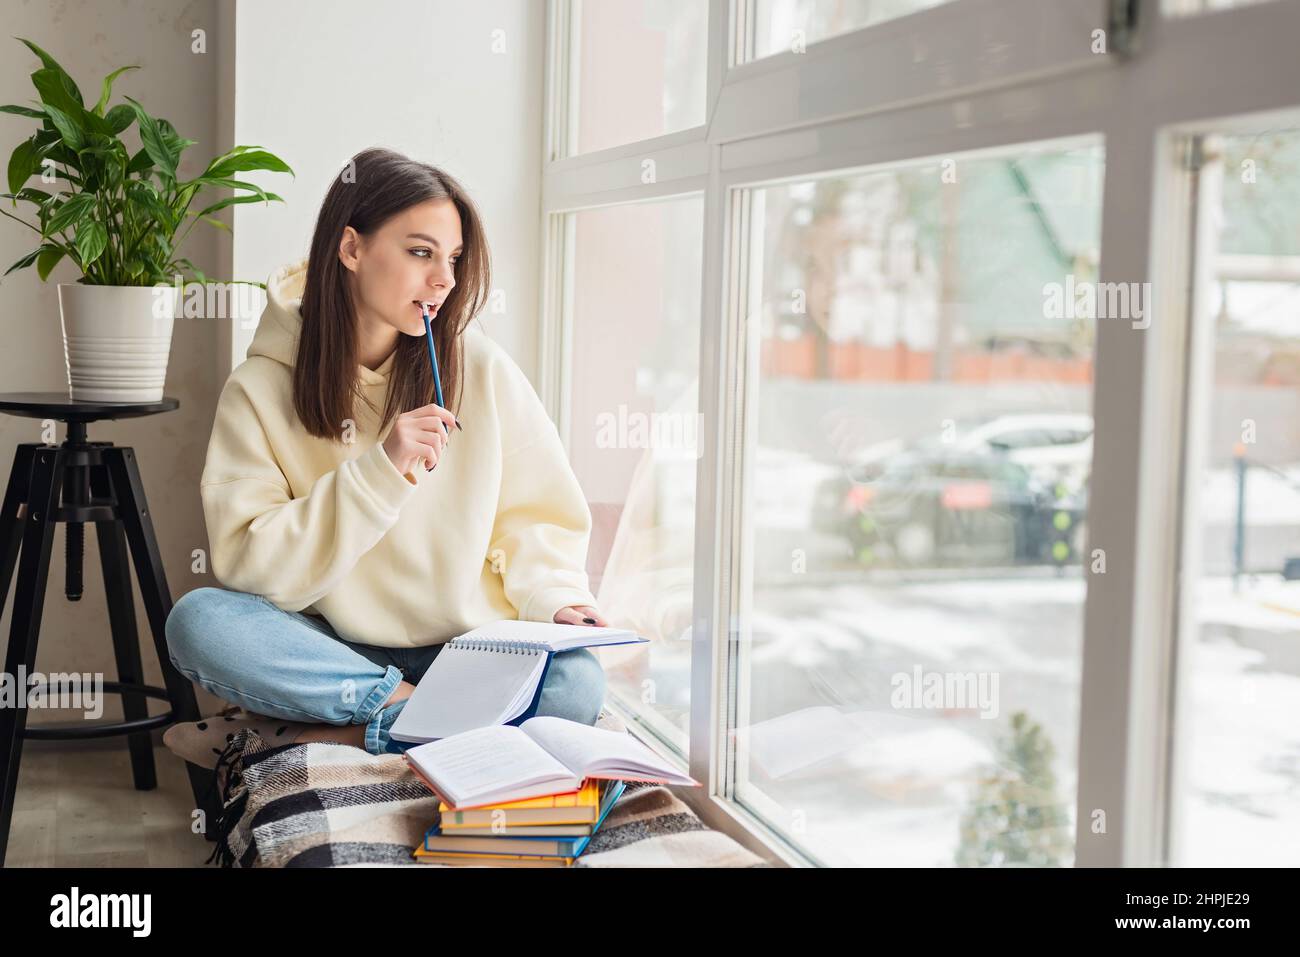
319	80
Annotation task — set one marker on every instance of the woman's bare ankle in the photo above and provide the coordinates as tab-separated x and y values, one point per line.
353	734
400	693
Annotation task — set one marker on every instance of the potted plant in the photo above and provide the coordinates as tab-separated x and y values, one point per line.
117	220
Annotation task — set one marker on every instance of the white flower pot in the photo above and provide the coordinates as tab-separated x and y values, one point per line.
116	340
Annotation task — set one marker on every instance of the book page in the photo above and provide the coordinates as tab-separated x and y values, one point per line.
580	748
485	761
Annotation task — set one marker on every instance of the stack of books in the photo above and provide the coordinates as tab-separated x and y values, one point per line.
530	795
550	831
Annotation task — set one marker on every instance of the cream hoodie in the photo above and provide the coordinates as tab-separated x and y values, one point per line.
498	530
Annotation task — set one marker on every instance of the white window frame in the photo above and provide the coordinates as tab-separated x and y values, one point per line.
954	81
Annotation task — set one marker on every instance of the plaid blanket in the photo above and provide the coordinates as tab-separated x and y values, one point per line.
331	805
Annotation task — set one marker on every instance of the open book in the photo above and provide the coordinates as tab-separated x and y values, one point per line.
541	756
492	675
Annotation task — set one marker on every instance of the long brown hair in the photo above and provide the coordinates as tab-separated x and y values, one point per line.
376	185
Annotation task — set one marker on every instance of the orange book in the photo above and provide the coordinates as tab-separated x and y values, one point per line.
570	807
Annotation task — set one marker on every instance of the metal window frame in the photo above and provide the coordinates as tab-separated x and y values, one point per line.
984	75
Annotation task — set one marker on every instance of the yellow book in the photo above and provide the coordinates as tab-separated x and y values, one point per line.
572	807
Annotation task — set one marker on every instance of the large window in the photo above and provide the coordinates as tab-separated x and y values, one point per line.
638	71
634	440
972	561
919	471
1240	790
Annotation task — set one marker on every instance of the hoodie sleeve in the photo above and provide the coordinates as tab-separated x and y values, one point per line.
292	551
542	525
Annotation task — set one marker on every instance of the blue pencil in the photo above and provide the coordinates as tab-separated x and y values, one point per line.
433	358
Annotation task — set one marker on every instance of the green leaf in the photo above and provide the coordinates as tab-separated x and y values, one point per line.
57	89
216	222
144	195
72	134
119	118
198	273
23	111
27	193
107	90
25	261
48	259
46	137
140	162
95	125
91	241
71	213
48	61
234	152
152	138
22	163
233	201
240	184
255	159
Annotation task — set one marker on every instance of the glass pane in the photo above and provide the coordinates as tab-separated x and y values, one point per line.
1241	797
634	408
642	70
782	25
911	646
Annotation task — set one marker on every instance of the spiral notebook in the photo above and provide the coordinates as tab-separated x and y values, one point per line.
492	675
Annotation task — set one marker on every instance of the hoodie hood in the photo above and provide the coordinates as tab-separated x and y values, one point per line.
281	324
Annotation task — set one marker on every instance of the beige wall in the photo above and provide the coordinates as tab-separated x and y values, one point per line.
91	39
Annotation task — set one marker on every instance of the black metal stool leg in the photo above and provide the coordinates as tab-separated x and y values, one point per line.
11	529
116	565
133	508
29	600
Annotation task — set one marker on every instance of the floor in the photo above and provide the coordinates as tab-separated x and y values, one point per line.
76	806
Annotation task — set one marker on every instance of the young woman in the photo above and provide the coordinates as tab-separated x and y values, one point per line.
353	541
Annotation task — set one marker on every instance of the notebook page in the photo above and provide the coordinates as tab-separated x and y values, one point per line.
467	689
486	761
584	750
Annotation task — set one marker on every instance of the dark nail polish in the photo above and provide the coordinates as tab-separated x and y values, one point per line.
459	426
590	621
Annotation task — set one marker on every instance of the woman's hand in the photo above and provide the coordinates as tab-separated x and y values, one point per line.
580	615
417	437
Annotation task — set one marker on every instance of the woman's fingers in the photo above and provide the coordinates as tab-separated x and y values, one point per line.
580	615
435	411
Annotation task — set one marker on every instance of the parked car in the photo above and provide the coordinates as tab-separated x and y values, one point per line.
1055	446
942	507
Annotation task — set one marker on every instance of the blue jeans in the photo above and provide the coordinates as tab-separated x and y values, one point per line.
285	664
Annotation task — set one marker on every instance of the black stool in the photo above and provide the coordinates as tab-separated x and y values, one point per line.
100	483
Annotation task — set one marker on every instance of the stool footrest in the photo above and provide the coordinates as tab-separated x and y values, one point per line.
65	731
